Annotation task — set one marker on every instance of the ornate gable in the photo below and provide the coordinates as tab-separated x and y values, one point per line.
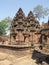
30	16
19	15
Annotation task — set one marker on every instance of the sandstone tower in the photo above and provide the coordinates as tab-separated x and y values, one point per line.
24	30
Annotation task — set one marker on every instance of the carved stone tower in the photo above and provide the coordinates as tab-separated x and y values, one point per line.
23	28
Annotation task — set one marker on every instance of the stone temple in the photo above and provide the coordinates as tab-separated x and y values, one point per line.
24	30
27	31
28	39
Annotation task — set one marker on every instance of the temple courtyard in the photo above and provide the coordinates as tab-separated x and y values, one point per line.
7	59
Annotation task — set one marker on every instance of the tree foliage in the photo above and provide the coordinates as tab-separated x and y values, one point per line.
40	11
2	27
8	21
5	25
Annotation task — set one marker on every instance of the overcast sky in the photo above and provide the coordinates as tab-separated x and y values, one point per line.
10	7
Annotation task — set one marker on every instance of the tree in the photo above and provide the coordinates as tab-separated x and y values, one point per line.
5	25
8	21
2	27
40	12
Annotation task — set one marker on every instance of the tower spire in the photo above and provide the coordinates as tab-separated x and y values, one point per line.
19	15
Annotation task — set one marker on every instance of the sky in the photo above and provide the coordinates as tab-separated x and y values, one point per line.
10	7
